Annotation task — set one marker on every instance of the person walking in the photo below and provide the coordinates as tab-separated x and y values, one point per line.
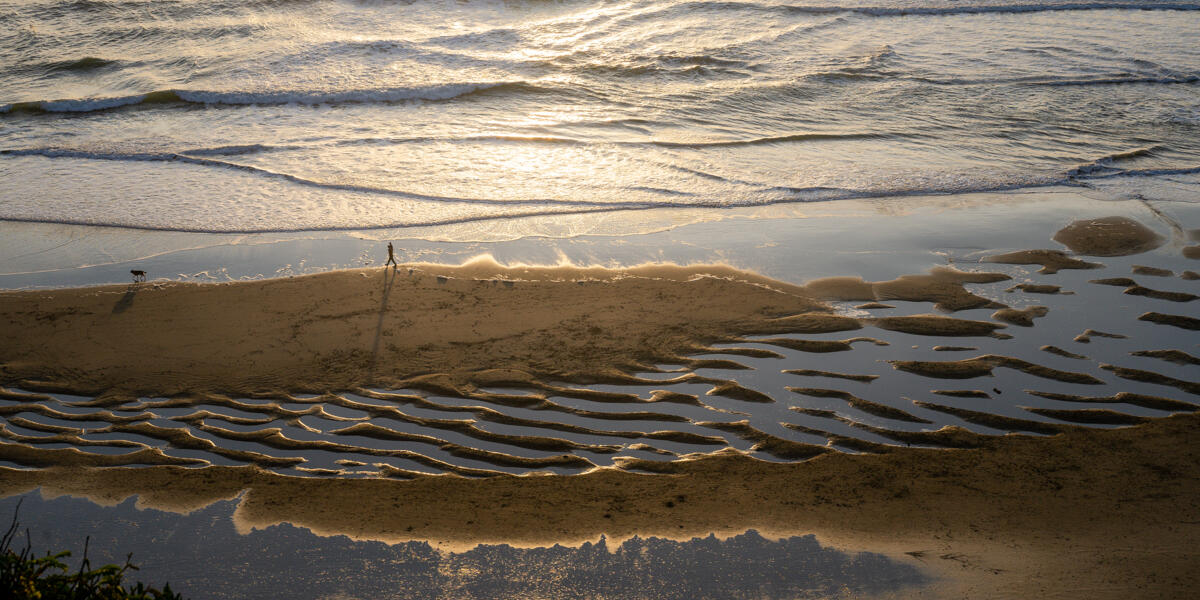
391	257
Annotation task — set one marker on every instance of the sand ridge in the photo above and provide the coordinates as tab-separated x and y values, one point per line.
343	329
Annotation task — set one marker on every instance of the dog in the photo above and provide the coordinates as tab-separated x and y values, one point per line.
138	275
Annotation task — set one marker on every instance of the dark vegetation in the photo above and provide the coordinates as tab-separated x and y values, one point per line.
24	576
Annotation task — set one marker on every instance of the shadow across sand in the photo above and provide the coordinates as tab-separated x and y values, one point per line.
389	279
126	300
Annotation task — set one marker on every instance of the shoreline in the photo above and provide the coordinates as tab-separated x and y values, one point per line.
897	234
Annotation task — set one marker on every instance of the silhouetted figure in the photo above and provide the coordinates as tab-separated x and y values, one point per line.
391	256
138	275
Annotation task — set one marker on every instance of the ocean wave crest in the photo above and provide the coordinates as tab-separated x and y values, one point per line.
1108	163
900	9
1041	80
85	64
437	92
1149	172
237	150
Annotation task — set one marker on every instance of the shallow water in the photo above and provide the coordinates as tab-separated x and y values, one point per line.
202	555
285	116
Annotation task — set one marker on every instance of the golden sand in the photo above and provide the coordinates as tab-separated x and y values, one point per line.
1178	357
1031	288
1104	513
942	285
1108	236
1023	317
341	330
1180	321
1052	261
1151	271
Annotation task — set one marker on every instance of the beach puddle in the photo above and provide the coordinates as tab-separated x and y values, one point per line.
202	552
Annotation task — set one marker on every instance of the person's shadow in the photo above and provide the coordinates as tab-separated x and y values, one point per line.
126	301
389	277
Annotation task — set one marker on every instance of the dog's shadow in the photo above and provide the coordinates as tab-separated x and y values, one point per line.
126	301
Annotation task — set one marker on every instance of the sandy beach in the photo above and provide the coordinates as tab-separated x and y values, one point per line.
651	299
580	402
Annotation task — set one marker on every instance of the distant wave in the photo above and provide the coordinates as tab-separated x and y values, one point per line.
1145	172
432	93
720	4
799	137
760	141
957	8
1063	81
647	63
74	65
1108	167
888	11
934	8
86	63
238	150
1107	163
1121	80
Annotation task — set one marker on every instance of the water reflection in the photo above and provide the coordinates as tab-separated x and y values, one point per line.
201	555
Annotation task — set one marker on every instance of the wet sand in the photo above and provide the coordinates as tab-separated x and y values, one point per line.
1108	511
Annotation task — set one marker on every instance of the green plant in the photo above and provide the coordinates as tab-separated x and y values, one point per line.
26	577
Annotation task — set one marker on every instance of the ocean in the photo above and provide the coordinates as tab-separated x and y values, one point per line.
243	116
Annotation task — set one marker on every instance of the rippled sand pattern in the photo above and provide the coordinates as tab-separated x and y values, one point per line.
881	377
